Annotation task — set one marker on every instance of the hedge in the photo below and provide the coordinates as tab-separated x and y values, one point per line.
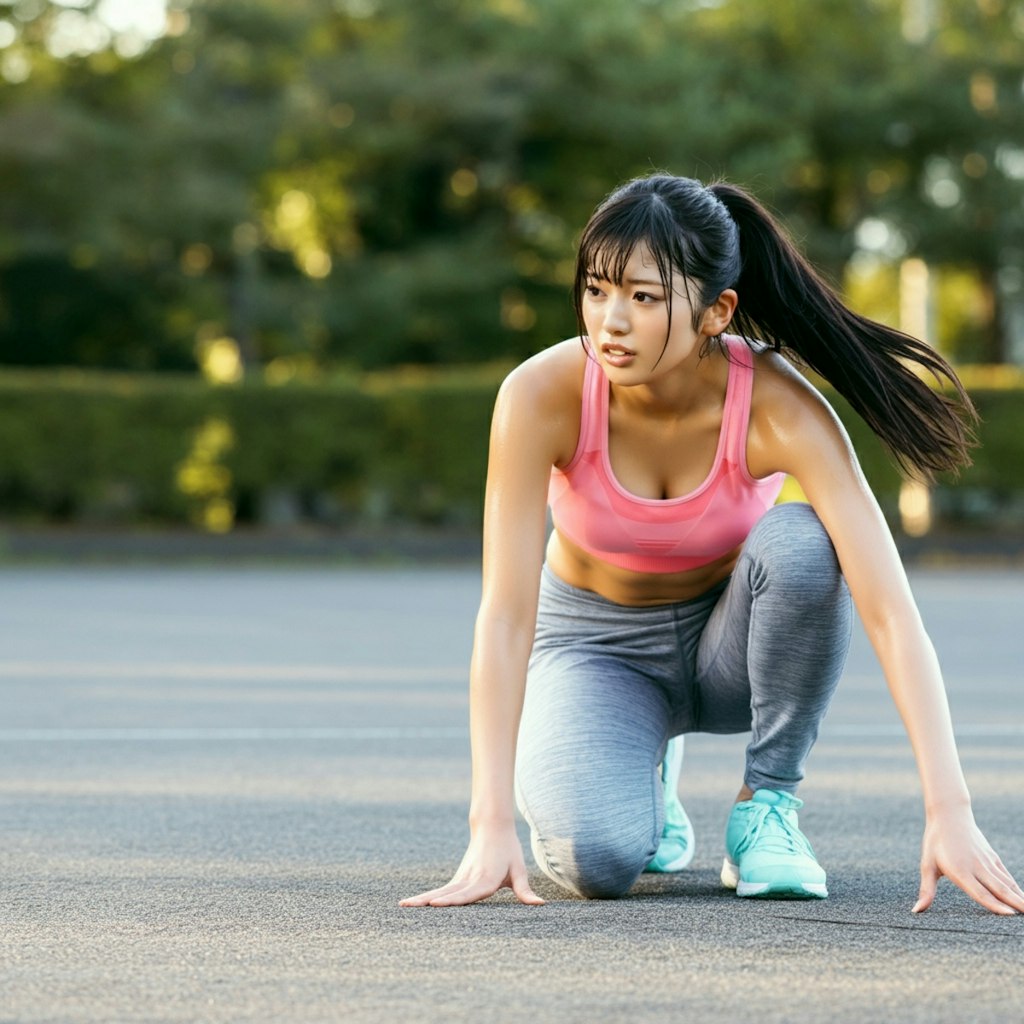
110	449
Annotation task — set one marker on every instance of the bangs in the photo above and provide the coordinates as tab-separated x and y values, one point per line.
605	249
614	233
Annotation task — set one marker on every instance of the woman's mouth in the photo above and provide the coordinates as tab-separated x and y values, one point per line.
617	355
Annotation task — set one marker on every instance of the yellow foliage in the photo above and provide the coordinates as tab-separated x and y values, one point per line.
220	360
203	479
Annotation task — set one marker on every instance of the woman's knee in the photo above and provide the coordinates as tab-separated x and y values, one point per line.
596	866
585	846
791	549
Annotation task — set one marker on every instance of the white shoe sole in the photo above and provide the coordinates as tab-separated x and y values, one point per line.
794	890
730	874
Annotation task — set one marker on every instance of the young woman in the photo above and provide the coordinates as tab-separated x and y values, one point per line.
674	596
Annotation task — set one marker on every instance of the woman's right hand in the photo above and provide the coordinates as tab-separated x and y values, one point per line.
493	861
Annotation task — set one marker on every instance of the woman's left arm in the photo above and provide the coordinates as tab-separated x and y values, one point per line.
803	437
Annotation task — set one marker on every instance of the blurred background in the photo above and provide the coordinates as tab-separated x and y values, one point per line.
263	263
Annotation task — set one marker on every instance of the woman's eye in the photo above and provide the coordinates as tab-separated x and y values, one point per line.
593	290
645	297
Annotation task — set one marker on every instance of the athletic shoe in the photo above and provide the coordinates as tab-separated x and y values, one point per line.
766	853
676	847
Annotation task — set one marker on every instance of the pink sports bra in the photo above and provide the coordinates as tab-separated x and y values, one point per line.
593	510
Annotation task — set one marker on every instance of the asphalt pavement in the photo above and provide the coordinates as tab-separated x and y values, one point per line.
217	783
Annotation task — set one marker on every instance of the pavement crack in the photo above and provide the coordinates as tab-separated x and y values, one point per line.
898	927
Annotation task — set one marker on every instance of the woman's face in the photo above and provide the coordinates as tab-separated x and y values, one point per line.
628	323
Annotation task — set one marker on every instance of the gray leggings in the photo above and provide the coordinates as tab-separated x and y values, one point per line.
608	685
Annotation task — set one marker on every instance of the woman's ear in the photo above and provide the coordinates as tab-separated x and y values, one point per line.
718	315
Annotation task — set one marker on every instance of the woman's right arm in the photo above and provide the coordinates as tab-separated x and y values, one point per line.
529	433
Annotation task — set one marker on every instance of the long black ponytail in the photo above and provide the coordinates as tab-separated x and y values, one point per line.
720	237
784	302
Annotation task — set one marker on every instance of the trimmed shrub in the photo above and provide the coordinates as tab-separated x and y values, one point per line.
406	446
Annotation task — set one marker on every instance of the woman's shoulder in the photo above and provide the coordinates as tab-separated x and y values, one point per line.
787	412
549	381
780	383
538	406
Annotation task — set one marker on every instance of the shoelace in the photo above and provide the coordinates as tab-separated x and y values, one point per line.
776	834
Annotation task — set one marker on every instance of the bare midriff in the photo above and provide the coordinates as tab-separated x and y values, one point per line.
638	589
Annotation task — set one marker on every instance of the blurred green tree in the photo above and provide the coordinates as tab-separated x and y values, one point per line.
369	182
131	179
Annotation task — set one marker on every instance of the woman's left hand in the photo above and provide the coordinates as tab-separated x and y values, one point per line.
955	847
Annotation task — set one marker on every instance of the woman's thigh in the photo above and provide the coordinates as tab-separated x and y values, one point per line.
596	717
593	730
592	735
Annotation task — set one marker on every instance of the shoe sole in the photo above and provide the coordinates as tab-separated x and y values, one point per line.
792	889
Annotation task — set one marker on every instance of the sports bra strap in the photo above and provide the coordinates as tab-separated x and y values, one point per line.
592	410
736	413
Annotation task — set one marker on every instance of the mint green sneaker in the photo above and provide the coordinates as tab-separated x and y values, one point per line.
766	853
676	847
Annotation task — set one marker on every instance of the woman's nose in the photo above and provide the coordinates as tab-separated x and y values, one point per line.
616	320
